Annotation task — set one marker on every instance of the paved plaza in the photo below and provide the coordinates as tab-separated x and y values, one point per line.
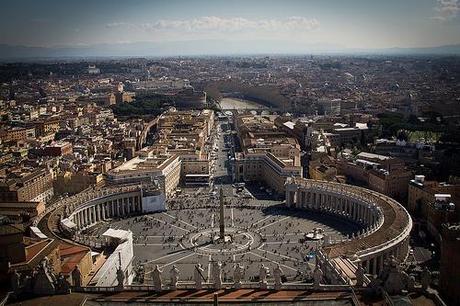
268	235
261	230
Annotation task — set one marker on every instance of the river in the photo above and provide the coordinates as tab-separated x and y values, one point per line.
235	103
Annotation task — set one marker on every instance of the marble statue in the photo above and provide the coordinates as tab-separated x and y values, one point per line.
120	273
263	274
62	285
425	278
76	277
394	280
317	276
198	276
15	282
278	273
156	278
217	275
49	268
360	275
44	280
411	283
237	276
120	278
174	273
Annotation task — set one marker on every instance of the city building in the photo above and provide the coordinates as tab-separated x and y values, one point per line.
34	186
92	69
322	169
268	154
385	174
164	170
328	106
21	211
433	204
265	168
449	278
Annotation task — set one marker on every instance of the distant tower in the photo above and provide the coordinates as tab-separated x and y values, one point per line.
222	226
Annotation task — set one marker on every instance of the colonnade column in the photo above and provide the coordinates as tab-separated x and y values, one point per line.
290	198
104	210
80	219
93	214
369	215
75	219
374	265
97	208
117	207
85	218
101	211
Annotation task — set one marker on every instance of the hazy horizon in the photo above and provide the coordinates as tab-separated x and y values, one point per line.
244	26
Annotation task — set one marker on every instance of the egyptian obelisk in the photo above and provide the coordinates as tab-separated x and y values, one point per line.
221	221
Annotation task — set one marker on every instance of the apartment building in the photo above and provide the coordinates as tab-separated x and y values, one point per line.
266	168
34	186
381	173
164	170
17	134
269	154
433	203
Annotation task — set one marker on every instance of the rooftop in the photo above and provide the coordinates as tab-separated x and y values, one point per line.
372	156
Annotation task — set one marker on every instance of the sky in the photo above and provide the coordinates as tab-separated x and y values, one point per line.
365	24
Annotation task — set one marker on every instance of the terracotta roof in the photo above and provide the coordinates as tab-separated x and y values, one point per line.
74	299
36	248
11	229
35	253
71	256
239	297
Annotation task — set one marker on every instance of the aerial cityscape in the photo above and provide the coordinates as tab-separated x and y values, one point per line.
234	153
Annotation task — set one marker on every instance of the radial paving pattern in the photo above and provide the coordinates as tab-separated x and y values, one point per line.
273	235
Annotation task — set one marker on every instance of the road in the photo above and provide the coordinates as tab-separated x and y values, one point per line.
222	153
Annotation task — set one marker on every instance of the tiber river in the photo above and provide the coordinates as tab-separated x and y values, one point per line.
235	103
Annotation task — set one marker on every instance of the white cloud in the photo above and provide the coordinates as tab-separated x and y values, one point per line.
213	24
447	10
118	24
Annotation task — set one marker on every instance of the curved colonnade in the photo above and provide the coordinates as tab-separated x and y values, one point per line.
89	208
386	223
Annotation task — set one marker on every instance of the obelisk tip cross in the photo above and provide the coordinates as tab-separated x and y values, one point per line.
222	225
